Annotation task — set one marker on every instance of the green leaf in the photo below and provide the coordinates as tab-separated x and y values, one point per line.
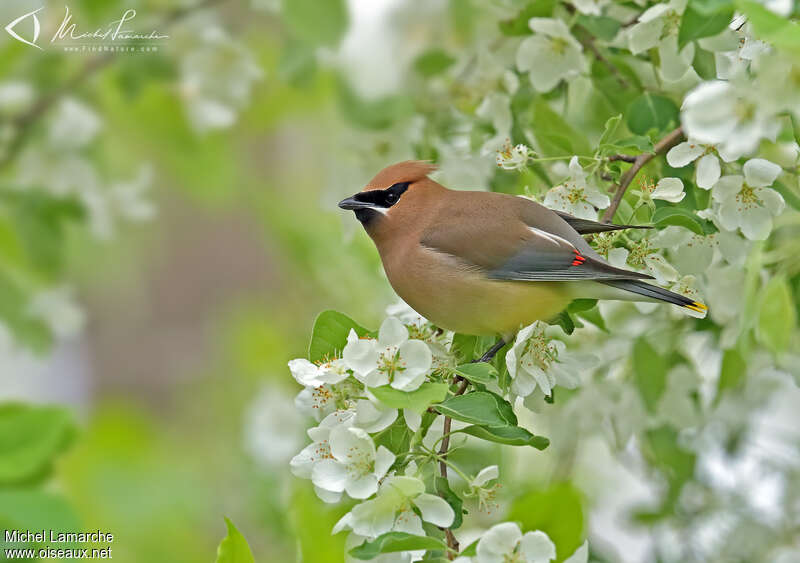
662	450
611	126
479	407
471	550
34	509
678	216
518	25
509	435
329	335
704	64
443	489
319	22
732	373
766	25
564	321
392	542
651	111
30	439
580	305
602	27
776	317
478	372
696	25
396	437
649	373
234	548
433	62
463	347
554	135
790	195
556	510
418	400
640	142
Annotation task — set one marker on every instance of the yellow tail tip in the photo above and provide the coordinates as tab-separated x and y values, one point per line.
697	306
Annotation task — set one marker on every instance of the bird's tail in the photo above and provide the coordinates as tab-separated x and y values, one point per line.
658	294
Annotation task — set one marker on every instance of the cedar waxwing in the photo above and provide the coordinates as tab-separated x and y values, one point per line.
487	263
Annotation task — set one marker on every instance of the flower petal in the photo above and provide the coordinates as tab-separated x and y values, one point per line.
435	510
349	444
756	222
383	461
409	523
304	372
392	333
760	173
581	555
708	171
361	356
302	464
669	189
726	188
485	475
329	475
683	153
373	517
536	547
498	541
363	487
771	199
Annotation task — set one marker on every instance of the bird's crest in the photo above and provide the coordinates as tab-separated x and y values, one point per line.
406	171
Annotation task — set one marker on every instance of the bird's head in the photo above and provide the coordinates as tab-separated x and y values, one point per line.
392	193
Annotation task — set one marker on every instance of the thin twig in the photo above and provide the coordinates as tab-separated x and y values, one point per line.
623	157
663	145
24	122
588	42
452	542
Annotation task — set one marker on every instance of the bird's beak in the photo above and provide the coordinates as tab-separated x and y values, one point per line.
352	204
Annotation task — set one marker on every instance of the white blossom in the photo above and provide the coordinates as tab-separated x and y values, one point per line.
505	542
74	125
668	189
57	308
393	510
708	165
576	196
353	465
303	464
551	55
513	158
732	117
392	359
311	375
534	361
748	203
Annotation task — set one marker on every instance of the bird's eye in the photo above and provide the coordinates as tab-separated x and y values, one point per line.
392	197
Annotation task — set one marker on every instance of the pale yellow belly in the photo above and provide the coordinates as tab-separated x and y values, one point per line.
465	301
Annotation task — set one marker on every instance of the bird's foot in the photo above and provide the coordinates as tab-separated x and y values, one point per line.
490	353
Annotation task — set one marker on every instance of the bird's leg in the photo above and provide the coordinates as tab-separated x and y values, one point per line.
491	351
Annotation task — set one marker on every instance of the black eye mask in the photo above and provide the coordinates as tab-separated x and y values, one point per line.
383	198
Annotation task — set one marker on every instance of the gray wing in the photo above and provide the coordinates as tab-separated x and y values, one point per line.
511	238
549	257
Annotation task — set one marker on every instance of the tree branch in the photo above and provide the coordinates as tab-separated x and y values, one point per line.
452	542
663	145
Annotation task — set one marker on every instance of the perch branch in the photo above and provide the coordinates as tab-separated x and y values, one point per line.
663	145
452	542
